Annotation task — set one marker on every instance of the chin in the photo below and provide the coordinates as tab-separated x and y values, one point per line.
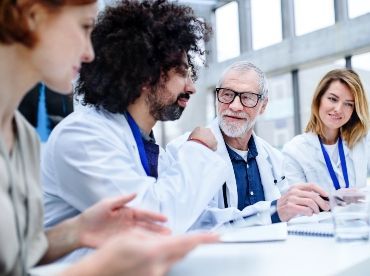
64	88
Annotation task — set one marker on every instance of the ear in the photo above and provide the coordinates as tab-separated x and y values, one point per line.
35	15
145	89
264	104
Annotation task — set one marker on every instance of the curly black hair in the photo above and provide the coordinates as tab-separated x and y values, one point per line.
135	42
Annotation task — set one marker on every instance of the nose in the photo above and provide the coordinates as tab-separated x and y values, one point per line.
236	105
339	107
189	86
88	55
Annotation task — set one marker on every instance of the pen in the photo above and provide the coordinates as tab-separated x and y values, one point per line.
281	179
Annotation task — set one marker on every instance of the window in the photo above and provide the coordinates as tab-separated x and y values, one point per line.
358	7
227	31
266	23
311	15
361	64
276	125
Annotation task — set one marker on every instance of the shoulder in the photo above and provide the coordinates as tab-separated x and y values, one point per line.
301	141
262	144
91	122
87	130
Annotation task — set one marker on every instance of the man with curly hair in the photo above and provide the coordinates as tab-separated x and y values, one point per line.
143	73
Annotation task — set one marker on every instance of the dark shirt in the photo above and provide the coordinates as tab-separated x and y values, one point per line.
152	153
247	176
248	179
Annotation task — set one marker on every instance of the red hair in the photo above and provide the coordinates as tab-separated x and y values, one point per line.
13	24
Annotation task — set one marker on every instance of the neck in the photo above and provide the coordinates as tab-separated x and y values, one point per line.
239	143
139	111
16	78
330	136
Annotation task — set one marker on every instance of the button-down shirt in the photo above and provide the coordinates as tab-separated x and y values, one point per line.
247	176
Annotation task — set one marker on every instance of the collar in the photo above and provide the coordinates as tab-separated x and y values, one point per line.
148	138
252	151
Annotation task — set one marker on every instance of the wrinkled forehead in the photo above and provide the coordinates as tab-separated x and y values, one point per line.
241	81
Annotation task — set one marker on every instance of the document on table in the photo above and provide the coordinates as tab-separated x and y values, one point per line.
271	232
322	217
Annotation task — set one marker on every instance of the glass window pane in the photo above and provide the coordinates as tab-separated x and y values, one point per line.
276	125
358	7
311	15
361	64
227	31
266	23
308	80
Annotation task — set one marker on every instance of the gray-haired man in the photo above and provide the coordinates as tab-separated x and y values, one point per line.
251	194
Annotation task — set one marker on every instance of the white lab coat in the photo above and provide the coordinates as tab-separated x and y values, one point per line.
92	154
304	162
269	162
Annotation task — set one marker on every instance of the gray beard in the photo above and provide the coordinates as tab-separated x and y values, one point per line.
235	130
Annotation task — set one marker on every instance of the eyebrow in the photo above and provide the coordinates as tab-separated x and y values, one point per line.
332	94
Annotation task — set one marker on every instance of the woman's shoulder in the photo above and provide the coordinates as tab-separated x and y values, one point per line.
303	140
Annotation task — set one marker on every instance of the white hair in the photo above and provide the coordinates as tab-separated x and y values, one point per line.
245	66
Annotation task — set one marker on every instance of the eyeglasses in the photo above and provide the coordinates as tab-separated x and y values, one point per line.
227	96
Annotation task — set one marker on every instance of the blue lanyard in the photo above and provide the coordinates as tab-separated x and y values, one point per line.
342	162
139	142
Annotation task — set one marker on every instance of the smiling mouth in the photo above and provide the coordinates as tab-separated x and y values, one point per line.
335	117
183	99
234	118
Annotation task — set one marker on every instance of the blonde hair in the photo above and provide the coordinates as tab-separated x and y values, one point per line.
357	126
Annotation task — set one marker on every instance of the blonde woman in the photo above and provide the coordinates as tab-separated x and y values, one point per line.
48	40
334	150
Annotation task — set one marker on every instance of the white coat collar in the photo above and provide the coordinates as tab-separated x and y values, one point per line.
356	155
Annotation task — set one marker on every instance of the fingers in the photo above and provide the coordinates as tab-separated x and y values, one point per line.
178	246
150	216
311	188
120	201
153	227
312	192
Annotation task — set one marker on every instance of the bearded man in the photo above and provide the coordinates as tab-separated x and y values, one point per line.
252	192
143	73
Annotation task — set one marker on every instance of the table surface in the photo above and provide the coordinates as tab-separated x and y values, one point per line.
298	255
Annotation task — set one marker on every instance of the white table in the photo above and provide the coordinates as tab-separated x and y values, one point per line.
298	255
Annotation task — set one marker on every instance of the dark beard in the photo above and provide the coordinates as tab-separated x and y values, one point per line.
166	112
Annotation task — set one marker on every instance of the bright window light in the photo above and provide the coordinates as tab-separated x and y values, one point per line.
227	31
311	15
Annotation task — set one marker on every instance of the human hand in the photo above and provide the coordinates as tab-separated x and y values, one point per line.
139	253
302	199
110	217
203	136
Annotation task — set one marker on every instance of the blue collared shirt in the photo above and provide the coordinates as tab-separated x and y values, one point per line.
247	176
152	152
248	179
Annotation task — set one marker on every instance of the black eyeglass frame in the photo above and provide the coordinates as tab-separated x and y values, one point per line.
259	96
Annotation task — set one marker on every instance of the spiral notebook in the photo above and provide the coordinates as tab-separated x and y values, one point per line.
312	229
